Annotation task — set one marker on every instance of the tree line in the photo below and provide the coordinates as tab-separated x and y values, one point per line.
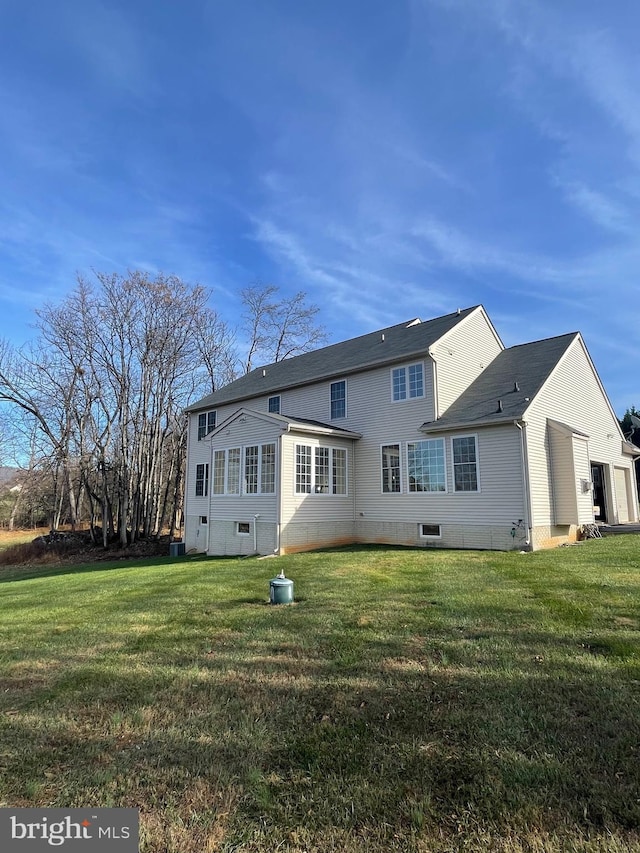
96	401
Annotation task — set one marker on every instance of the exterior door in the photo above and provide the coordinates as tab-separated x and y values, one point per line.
621	477
599	492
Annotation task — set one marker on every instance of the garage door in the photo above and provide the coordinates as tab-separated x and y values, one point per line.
621	476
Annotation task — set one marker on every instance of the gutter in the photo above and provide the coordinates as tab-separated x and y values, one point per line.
458	425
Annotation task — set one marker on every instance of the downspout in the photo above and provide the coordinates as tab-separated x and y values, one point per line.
210	492
525	482
434	372
255	532
276	550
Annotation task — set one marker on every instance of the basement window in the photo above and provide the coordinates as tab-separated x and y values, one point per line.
430	531
203	519
243	528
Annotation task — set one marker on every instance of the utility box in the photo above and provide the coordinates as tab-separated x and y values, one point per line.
176	549
280	591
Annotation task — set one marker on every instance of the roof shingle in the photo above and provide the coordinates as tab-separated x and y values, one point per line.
384	346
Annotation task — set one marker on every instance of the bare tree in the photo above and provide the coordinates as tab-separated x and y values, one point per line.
278	328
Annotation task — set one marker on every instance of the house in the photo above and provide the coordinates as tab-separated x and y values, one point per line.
424	433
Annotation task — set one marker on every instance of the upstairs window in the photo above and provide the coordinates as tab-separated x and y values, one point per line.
206	423
338	399
274	404
465	463
407	383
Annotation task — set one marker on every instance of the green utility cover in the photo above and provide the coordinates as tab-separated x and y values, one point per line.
281	591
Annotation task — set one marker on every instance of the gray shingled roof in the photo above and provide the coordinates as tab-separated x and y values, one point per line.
400	342
514	378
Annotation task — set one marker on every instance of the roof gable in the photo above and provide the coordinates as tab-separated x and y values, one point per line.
285	423
505	389
385	346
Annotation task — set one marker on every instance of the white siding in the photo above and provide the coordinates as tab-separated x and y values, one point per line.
499	501
573	396
462	355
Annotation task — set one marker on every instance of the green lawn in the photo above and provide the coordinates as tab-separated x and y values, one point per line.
408	700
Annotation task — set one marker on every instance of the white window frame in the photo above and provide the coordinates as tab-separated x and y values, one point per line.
221	478
397	444
338	400
424	535
405	369
457	491
333	480
206	423
202	482
279	404
442	443
246	532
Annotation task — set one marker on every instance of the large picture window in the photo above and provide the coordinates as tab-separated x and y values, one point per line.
391	468
426	466
321	470
407	383
465	463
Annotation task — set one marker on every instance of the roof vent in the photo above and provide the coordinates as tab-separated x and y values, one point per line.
458	312
516	387
382	337
264	372
500	406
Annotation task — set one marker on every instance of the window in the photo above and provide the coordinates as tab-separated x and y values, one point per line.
258	474
391	468
274	405
325	468
203	519
425	465
339	471
233	471
430	531
218	472
206	423
303	469
465	464
268	469
407	383
202	481
243	528
338	399
321	480
251	470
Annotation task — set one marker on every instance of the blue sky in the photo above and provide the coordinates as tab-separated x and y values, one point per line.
393	159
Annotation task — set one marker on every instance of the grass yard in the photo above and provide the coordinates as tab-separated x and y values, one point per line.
408	701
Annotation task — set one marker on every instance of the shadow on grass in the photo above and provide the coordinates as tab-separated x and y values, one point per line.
410	736
11	574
